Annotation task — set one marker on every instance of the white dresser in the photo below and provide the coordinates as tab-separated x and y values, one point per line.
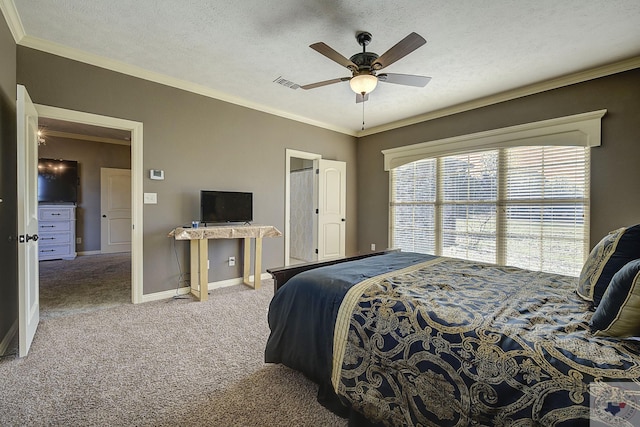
56	231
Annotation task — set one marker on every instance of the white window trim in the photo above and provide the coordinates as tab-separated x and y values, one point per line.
576	130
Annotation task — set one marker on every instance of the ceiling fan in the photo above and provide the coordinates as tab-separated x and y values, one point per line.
364	66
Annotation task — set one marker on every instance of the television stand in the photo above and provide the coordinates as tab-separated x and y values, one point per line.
199	251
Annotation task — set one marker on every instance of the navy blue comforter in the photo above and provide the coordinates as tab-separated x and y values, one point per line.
421	340
303	312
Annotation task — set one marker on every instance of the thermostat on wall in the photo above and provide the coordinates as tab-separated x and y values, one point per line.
156	174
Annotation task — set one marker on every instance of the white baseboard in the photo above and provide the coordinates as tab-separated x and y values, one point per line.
236	281
185	290
165	294
225	283
89	253
4	344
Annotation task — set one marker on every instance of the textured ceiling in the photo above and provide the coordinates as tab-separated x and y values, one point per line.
235	50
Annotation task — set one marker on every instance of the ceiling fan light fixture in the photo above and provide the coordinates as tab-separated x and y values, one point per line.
363	83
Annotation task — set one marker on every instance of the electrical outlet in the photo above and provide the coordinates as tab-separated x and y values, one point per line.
232	261
79	240
207	264
373	246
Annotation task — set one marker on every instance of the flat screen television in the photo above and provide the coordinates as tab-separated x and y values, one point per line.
225	206
57	181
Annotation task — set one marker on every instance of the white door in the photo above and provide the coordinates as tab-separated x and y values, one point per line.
115	208
331	189
28	283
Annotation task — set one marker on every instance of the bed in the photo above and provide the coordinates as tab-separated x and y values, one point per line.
413	339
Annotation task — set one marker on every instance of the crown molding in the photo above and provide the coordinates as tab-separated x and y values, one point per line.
582	129
134	71
17	30
14	23
569	79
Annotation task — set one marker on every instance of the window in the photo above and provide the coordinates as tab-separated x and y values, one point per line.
467	203
521	206
513	196
414	206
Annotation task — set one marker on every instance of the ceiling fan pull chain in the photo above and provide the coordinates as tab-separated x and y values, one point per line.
363	112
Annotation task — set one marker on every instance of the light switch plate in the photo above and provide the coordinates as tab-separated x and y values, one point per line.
150	198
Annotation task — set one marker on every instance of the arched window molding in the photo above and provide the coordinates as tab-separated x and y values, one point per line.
576	130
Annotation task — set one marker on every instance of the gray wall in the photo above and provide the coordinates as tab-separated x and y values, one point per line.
91	156
200	143
615	170
8	218
203	143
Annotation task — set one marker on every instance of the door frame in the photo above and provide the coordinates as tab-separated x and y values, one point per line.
137	217
289	153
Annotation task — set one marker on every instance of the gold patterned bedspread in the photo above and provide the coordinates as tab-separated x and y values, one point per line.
449	342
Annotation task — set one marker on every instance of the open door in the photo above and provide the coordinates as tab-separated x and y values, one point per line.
28	283
331	187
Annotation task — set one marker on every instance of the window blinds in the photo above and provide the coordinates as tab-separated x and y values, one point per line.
545	205
521	206
413	206
467	204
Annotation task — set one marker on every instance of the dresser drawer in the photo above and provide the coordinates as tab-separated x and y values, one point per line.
48	239
52	226
55	214
48	252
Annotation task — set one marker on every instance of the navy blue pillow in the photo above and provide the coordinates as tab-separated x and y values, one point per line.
618	314
606	258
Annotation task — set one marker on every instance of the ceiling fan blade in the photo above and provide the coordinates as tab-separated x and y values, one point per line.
404	79
325	83
325	50
399	51
360	98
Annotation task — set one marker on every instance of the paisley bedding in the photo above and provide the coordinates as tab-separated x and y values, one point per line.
450	342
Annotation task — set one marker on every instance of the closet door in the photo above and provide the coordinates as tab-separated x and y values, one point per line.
115	207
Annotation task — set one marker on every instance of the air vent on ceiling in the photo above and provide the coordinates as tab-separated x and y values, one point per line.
286	83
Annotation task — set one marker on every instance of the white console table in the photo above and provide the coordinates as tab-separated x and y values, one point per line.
199	248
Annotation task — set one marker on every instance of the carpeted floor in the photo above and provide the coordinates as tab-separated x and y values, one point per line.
162	363
85	284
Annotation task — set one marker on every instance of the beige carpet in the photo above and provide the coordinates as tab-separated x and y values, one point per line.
163	363
85	284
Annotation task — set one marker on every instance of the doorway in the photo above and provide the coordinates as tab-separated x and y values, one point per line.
85	278
136	145
299	207
315	208
301	214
